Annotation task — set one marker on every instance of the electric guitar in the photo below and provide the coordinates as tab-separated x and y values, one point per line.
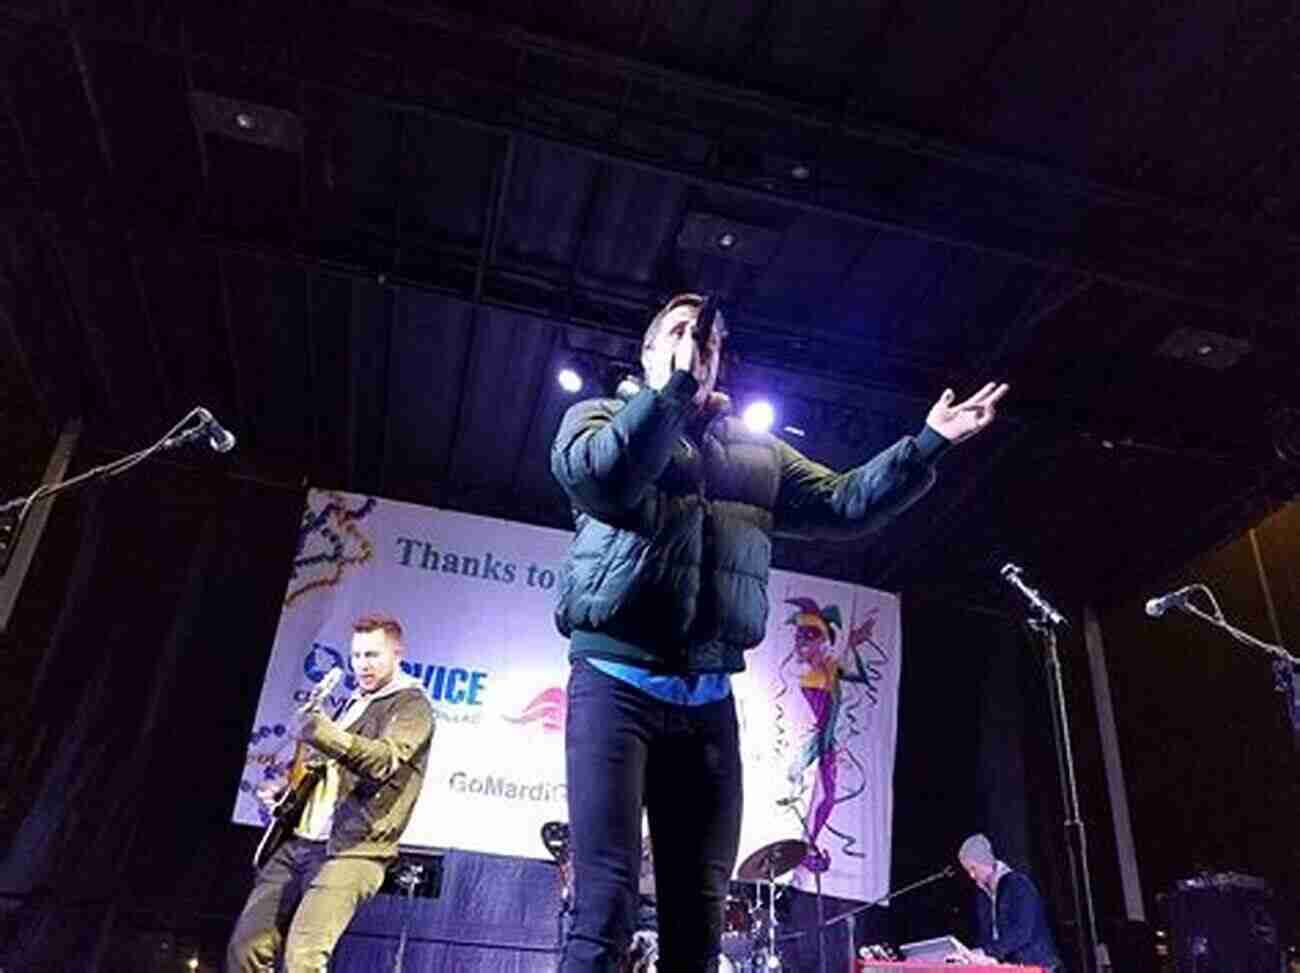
304	775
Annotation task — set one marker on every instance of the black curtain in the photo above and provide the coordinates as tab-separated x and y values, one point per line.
145	667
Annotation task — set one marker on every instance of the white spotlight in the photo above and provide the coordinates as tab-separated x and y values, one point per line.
759	416
569	380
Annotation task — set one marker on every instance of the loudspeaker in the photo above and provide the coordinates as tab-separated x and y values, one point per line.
1224	923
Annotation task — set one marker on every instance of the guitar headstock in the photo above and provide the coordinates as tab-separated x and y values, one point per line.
321	691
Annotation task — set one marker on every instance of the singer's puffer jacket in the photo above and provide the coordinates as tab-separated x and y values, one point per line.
674	511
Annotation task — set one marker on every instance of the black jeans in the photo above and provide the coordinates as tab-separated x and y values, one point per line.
624	750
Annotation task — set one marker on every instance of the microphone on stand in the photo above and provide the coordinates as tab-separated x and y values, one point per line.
1011	574
219	437
1156	607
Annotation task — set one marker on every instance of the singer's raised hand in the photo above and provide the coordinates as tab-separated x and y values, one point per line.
958	421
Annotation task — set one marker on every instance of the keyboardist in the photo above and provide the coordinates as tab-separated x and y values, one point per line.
1010	921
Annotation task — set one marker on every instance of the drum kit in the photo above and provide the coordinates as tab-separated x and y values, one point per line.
749	921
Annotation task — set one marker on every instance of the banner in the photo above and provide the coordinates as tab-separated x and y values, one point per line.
817	705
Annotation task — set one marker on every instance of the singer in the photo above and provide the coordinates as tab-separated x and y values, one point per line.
374	752
663	590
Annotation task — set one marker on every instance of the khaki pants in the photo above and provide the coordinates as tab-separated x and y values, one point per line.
302	899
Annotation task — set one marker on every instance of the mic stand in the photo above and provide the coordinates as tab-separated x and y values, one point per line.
1285	665
408	877
817	887
1045	620
566	904
1085	917
174	437
858	910
1280	655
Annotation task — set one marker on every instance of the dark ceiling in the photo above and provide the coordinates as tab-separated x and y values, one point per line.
365	235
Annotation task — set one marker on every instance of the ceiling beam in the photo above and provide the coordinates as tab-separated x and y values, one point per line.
1062	419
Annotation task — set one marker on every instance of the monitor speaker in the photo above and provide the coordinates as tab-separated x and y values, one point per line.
1224	923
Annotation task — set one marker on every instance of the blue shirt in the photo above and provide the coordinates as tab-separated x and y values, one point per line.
708	687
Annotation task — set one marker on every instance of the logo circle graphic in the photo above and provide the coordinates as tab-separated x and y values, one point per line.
320	660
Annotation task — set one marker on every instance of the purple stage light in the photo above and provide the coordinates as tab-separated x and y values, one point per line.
759	416
569	380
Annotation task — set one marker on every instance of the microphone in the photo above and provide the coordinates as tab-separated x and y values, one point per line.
219	437
1011	574
787	801
1174	599
704	320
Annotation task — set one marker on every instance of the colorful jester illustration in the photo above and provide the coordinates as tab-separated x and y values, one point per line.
824	669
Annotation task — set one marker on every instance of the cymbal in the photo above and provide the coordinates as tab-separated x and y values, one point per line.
772	860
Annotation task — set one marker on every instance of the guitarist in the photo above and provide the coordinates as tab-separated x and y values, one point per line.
374	753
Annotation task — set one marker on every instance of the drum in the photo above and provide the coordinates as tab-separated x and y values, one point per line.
650	964
737	928
736	916
643	956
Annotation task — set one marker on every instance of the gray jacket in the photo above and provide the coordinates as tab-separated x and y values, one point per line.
381	760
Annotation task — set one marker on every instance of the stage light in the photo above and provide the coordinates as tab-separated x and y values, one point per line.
727	240
192	962
569	380
246	120
800	172
759	416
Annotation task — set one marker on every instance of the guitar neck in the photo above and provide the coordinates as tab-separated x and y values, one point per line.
302	752
300	764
